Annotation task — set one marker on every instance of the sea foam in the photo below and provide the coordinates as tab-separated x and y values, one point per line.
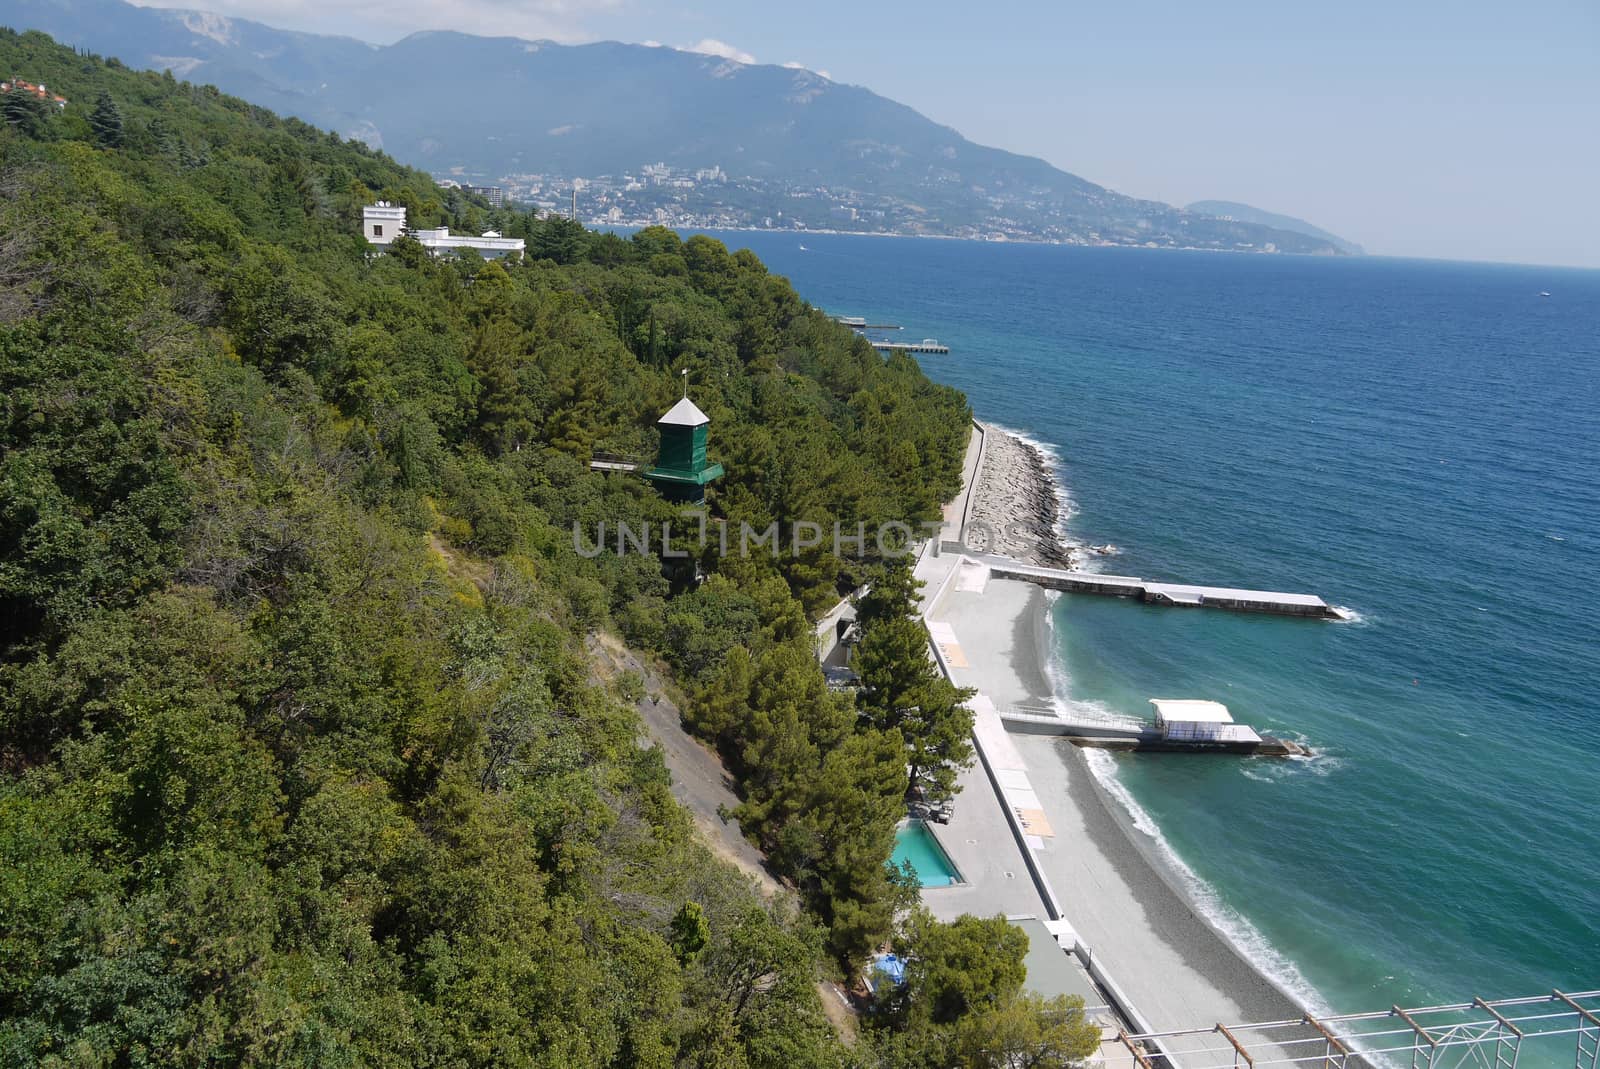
1066	507
1245	937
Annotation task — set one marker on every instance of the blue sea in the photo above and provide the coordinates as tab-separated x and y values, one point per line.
1417	441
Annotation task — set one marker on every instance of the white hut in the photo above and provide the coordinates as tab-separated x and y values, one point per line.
1191	720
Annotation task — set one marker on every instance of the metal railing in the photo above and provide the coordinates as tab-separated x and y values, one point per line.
625	458
1077	716
1481	1033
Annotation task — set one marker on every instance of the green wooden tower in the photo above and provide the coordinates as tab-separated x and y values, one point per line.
682	471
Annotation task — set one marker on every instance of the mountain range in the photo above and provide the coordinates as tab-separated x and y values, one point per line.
736	144
1244	213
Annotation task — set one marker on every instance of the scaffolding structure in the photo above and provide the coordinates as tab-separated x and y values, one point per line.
1479	1034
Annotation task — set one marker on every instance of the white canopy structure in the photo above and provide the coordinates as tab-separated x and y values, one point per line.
1199	721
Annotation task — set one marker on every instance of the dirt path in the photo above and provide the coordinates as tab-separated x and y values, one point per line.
703	787
699	782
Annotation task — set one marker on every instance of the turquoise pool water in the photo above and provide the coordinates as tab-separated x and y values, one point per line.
913	842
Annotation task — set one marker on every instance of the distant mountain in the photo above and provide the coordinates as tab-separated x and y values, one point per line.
244	58
1227	209
793	148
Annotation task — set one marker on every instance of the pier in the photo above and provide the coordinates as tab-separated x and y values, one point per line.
860	325
927	345
1175	594
1026	821
1106	732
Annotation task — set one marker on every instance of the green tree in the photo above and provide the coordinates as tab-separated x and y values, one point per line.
25	112
106	122
304	757
962	1005
902	690
1027	1031
956	968
505	414
690	932
91	500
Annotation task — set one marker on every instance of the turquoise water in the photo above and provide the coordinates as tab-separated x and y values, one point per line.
913	842
1417	441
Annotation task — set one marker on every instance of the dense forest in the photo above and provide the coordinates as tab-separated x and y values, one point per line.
302	758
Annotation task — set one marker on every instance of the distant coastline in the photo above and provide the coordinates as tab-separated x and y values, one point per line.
635	226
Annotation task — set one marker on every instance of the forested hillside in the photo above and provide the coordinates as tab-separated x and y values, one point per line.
301	758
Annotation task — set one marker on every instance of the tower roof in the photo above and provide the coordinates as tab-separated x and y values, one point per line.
683	414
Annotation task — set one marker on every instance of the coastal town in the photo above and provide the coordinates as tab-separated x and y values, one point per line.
695	198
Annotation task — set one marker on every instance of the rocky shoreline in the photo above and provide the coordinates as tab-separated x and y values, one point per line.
1015	508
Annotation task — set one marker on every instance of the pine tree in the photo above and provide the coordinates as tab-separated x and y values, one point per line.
161	137
902	690
505	415
24	111
106	122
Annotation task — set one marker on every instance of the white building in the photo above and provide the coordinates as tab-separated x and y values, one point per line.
382	222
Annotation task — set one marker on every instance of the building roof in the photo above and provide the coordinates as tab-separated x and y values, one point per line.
37	90
684	414
1192	711
1051	970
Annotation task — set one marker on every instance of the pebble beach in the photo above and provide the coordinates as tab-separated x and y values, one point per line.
1119	895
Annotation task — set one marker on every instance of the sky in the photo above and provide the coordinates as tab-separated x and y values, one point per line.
1457	130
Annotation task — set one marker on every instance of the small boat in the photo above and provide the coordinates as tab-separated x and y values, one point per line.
1544	293
1105	550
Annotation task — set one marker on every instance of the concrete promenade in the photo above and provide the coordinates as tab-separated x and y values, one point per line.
987	834
1035	800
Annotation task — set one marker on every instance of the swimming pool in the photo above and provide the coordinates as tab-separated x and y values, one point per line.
914	842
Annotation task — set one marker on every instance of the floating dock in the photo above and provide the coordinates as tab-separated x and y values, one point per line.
1177	594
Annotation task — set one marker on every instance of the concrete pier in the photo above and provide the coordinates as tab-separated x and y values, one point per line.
1265	746
1126	733
1177	594
927	346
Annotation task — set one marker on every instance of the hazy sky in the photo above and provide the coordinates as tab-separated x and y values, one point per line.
1462	129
